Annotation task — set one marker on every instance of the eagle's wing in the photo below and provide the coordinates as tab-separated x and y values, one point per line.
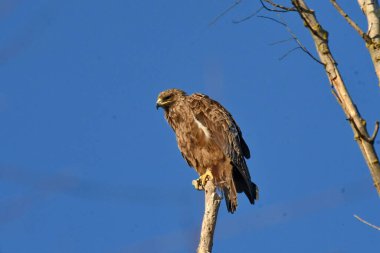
223	130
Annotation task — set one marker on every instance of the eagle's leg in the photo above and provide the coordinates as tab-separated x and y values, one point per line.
200	183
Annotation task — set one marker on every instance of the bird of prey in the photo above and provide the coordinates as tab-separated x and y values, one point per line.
211	142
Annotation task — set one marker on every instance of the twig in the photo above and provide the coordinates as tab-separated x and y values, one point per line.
248	17
295	38
212	203
237	2
351	22
375	131
273	19
280	8
300	44
367	139
287	53
366	222
279	42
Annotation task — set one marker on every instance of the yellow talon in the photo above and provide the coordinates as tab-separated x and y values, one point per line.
200	183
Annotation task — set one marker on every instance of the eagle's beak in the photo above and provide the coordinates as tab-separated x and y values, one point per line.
158	103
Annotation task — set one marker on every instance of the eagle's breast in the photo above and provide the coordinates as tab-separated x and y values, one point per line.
194	138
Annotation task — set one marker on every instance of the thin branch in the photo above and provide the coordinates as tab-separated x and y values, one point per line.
367	139
273	19
366	222
280	42
295	38
280	8
375	131
351	22
212	203
248	17
289	52
301	45
236	3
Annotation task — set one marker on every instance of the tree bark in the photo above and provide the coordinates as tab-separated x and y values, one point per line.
371	10
358	124
212	203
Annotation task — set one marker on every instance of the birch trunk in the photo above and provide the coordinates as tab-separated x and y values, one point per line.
358	124
371	10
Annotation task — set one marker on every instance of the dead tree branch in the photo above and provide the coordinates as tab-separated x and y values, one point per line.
277	7
247	17
236	3
358	124
294	37
371	10
362	34
366	222
212	203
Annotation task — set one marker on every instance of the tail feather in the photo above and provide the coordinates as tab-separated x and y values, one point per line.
230	196
252	193
245	185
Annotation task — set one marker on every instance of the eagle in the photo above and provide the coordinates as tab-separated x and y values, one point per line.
211	142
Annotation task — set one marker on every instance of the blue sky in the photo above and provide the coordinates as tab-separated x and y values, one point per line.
88	165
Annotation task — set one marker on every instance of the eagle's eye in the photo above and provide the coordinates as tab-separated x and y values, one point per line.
167	97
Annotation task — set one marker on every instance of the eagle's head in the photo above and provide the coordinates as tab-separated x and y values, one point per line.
168	98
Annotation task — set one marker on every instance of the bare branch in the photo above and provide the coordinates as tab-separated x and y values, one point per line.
279	8
373	137
236	3
301	45
279	42
248	17
371	10
368	139
212	203
351	22
294	37
366	222
273	19
358	125
289	52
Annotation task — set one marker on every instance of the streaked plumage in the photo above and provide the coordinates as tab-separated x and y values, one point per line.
209	138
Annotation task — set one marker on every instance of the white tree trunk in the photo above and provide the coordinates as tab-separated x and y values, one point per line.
371	10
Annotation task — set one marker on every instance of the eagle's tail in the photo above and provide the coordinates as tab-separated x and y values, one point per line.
252	193
230	196
245	185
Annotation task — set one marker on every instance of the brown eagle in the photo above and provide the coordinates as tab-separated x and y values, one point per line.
210	141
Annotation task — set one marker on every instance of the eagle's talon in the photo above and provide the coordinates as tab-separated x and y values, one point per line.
200	183
197	184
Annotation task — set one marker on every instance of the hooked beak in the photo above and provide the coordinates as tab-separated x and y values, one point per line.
158	103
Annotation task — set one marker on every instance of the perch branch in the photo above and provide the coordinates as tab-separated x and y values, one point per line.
212	203
358	125
351	22
366	222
